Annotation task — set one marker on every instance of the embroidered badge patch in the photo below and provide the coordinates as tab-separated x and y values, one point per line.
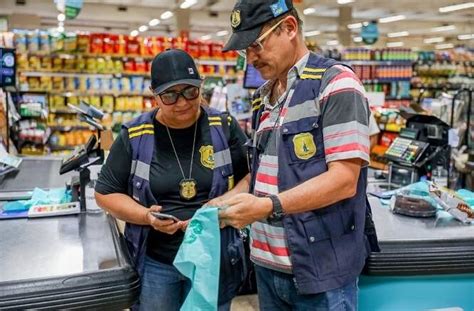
279	8
207	156
304	146
235	18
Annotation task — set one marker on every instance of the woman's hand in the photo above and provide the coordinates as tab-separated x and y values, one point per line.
166	226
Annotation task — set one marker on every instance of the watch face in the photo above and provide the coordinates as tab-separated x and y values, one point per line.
9	60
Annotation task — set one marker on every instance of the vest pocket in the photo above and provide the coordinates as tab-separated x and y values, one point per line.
232	271
330	237
303	140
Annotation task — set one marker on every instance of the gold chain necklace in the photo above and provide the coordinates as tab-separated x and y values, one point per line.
187	186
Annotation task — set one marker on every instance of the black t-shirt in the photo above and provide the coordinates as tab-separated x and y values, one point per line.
165	175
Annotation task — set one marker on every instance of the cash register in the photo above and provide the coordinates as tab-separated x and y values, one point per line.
421	147
84	156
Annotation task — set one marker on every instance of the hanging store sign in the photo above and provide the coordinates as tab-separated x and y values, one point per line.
370	33
7	67
70	8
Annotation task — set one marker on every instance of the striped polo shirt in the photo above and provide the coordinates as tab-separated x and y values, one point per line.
343	106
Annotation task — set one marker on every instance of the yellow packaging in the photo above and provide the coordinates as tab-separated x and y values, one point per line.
100	65
80	64
34	63
69	64
82	83
57	64
34	83
91	64
70	84
58	84
46	83
46	63
108	103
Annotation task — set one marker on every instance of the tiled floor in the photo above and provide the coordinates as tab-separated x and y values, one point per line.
245	303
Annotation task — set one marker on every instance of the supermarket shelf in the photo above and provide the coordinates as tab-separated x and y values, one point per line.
381	62
69	128
98	93
443	62
444	87
398	98
385	80
62	74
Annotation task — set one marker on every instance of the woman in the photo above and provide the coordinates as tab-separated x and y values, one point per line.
173	160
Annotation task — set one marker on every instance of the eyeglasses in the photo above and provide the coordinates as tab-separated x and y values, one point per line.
257	45
171	97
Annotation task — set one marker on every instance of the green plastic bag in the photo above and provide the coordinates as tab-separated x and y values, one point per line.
198	259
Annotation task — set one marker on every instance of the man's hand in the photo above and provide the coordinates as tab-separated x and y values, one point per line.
166	226
244	209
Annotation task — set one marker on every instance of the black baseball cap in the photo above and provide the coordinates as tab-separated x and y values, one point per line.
173	67
248	18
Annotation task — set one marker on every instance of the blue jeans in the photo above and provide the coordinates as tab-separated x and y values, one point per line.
277	292
164	288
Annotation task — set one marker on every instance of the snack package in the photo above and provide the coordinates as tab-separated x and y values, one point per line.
100	65
44	42
57	42
108	103
33	41
46	63
34	63
91	64
97	43
133	46
120	45
69	64
58	84
110	42
22	61
451	202
57	64
83	43
20	41
46	83
70	42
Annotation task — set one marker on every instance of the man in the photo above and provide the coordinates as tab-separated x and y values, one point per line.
307	202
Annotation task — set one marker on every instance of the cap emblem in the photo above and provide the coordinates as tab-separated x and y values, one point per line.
235	18
191	71
279	8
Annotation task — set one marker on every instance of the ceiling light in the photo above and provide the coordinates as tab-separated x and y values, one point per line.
143	28
444	46
443	28
187	4
357	39
312	33
166	15
309	11
206	37
390	19
344	1
60	28
134	33
332	42
434	40
398	34
456	7
354	26
154	22
61	17
222	33
395	44
466	37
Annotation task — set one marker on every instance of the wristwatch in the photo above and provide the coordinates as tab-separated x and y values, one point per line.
277	213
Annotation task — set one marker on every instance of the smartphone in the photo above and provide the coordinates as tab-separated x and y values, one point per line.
162	216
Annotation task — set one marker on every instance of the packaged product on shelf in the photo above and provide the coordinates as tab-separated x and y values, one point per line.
115	85
106	84
34	63
57	42
140	65
125	85
100	65
108	103
73	100
70	84
148	46
204	50
33	41
120	45
69	63
91	64
34	83
216	50
95	84
192	47
58	84
57	64
83	43
83	83
97	43
44	42
22	61
109	65
94	101
136	84
46	83
70	42
20	41
80	63
129	65
46	63
118	66
133	46
109	43
23	83
120	103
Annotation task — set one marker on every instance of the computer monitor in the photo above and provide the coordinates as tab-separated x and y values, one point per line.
252	78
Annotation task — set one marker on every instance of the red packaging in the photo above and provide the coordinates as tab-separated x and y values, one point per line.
110	41
167	43
193	48
129	65
205	50
133	45
140	66
179	43
120	45
148	46
97	43
216	50
387	139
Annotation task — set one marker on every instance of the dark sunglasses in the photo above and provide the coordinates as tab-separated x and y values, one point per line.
171	97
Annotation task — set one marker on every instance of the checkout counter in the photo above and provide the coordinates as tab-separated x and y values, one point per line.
64	262
424	263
